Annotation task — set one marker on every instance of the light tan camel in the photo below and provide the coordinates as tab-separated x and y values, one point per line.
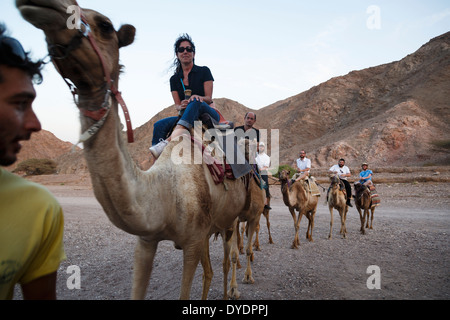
337	200
296	197
179	202
363	201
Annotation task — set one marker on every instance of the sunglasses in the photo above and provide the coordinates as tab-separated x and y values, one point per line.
14	46
188	49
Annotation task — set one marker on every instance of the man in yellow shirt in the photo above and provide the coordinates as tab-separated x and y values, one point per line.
31	220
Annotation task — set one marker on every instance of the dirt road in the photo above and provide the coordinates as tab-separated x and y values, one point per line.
409	248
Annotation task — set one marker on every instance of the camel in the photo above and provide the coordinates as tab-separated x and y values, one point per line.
296	197
256	244
178	202
251	216
363	201
336	199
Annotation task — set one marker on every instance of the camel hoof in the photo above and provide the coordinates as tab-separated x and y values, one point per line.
248	280
271	241
234	294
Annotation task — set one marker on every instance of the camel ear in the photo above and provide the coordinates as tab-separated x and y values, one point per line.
126	35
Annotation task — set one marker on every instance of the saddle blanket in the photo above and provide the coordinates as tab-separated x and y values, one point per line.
375	197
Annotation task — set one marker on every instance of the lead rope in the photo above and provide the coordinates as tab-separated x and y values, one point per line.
97	125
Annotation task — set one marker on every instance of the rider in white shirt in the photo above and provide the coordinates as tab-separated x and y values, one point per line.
303	167
343	172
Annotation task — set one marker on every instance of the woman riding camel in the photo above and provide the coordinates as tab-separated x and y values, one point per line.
192	88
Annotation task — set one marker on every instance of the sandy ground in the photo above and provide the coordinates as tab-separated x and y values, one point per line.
409	245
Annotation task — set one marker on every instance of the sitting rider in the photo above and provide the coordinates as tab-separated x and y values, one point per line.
343	172
365	176
247	130
188	76
303	167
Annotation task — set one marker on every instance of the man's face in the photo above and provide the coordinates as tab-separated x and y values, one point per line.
250	119
302	154
17	118
341	163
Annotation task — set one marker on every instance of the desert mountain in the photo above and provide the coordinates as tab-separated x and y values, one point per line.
389	115
42	145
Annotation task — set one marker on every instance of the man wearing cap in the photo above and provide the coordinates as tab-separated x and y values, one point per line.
365	176
263	162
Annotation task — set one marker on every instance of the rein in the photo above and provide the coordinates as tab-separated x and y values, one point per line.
101	114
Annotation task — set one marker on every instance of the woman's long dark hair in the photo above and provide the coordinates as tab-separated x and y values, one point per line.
181	38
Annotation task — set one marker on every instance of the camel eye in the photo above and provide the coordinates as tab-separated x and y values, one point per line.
105	27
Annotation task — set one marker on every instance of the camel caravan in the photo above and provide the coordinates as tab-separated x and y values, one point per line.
201	198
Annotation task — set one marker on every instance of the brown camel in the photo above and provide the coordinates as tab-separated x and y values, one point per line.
337	199
266	213
363	201
251	214
178	202
296	197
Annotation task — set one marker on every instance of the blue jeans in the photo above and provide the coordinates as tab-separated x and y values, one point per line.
192	113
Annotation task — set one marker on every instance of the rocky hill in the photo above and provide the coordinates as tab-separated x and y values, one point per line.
396	114
42	145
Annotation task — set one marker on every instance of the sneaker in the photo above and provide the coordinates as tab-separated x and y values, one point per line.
267	207
158	148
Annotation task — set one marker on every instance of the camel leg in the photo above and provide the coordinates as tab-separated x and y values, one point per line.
343	213
241	237
207	270
310	226
233	293
256	243
371	218
331	222
191	257
296	241
366	217
248	278
144	255
266	214
361	217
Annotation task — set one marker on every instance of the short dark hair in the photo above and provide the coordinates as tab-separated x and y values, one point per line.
8	58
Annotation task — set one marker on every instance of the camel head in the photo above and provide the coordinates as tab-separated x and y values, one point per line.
71	51
359	187
334	179
284	175
248	148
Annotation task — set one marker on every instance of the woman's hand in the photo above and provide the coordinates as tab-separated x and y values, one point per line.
196	98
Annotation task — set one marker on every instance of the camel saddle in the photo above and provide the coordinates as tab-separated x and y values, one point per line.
374	196
224	136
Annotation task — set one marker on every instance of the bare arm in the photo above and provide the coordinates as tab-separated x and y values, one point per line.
43	288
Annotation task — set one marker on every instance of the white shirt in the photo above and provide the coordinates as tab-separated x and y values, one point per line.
340	171
262	160
303	164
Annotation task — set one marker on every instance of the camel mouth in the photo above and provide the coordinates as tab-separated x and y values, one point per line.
43	14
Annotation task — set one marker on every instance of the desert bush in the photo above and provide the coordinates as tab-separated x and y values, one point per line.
283	167
35	167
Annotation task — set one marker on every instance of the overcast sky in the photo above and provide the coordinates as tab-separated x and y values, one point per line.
259	52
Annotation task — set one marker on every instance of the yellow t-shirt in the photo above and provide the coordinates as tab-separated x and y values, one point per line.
31	232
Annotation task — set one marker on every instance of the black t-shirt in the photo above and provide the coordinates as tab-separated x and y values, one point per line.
251	134
197	77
